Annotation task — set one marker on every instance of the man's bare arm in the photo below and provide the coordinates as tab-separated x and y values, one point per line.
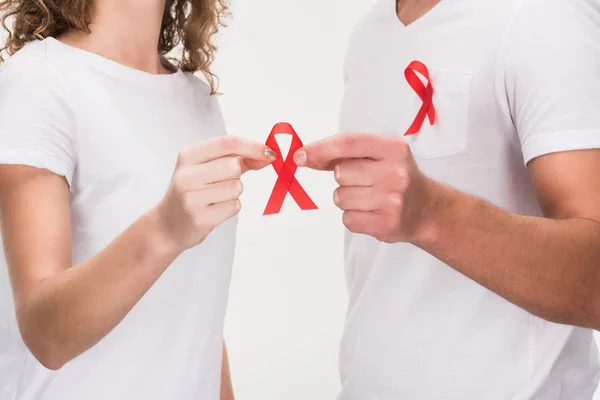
549	266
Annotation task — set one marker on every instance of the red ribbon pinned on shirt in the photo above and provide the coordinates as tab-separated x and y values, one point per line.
424	92
286	182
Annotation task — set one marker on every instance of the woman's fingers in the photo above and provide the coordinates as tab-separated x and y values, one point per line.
196	177
221	192
218	213
256	165
214	193
223	146
206	186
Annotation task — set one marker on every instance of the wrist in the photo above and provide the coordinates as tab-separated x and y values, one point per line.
160	239
438	202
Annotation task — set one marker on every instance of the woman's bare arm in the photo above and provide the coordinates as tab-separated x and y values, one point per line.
62	310
226	384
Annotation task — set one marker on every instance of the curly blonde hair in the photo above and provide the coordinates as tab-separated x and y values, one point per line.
191	23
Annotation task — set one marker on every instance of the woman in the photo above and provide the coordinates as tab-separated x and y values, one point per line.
119	266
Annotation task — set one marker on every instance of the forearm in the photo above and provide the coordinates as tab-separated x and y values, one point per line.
549	267
66	314
226	384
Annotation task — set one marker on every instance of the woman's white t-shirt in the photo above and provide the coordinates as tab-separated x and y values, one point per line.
114	133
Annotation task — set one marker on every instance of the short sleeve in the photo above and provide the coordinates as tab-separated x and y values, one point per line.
36	124
552	76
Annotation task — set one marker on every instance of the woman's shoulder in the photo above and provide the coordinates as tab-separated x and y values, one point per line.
33	55
32	66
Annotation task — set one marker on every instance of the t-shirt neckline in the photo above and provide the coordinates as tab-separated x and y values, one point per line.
116	69
392	13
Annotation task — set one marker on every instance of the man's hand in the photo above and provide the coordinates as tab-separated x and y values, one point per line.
382	192
551	269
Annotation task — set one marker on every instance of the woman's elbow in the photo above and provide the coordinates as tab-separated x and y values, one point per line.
47	354
50	363
46	350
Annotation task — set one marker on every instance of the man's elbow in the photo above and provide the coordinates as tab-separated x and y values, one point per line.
594	313
587	303
582	310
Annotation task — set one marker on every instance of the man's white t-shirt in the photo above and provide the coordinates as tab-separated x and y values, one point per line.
513	80
114	133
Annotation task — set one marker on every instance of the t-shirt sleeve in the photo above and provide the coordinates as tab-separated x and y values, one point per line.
36	124
552	76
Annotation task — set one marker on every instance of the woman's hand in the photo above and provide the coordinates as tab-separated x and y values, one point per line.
206	187
64	309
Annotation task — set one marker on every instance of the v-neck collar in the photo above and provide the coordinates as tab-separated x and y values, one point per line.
392	13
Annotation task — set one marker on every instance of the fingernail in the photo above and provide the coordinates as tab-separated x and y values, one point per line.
270	153
300	158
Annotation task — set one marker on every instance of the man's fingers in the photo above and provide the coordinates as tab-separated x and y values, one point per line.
225	146
355	199
356	172
324	154
362	222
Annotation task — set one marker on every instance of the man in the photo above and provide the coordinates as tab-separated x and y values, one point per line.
474	215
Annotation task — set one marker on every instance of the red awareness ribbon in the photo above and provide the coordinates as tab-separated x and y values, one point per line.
286	182
424	92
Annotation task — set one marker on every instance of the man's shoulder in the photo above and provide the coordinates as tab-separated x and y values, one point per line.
550	27
561	14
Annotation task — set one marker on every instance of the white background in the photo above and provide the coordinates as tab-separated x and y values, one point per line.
281	61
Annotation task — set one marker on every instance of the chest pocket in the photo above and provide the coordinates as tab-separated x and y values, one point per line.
448	135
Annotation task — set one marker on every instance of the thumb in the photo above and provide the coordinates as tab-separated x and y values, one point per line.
303	159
